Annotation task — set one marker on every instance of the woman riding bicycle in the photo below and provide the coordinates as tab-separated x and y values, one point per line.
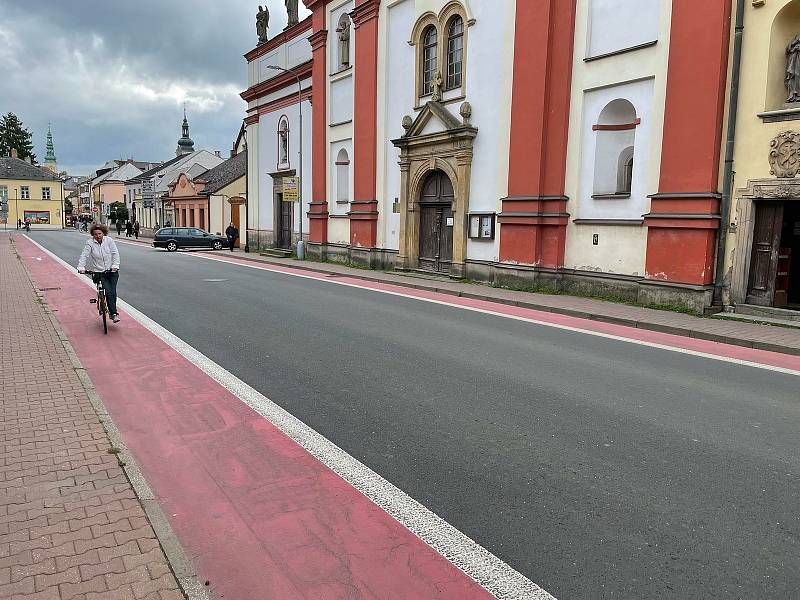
101	258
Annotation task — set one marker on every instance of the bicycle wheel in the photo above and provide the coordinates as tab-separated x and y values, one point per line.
101	301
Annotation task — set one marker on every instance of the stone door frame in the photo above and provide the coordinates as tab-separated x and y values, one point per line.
449	151
757	190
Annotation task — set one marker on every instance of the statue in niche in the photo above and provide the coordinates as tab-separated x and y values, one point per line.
283	133
291	11
344	41
437	87
262	24
793	70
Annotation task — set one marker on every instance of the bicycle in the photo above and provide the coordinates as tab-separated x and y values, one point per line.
101	300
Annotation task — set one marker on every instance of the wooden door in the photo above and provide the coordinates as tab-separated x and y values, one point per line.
436	223
235	220
764	260
285	230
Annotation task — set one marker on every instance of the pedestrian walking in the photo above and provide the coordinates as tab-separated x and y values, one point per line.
19	223
168	224
157	227
128	229
232	233
136	229
119	226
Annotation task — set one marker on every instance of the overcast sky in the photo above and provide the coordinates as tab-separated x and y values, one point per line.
112	76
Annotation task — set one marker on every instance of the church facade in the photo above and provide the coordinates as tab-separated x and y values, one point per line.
529	144
760	246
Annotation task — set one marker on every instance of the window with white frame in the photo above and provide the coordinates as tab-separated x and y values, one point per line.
45	193
24	192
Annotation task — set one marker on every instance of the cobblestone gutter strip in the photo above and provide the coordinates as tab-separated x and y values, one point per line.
181	566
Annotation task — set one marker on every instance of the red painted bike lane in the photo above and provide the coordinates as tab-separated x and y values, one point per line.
257	514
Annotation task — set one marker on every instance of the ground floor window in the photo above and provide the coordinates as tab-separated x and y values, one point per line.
37	217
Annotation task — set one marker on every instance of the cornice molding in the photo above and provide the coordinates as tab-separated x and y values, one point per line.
318	39
277	83
365	12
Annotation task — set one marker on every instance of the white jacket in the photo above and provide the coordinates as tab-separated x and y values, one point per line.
99	257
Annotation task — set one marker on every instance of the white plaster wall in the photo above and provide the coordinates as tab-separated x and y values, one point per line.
395	99
341	100
589	79
612	253
254	177
291	54
620	24
267	161
489	58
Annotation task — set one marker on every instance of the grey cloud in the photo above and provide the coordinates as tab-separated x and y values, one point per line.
112	76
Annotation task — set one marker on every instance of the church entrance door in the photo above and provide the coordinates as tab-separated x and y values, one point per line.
436	223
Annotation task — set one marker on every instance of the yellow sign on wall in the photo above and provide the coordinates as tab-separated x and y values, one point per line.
291	189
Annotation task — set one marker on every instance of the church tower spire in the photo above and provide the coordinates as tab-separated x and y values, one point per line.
185	144
50	162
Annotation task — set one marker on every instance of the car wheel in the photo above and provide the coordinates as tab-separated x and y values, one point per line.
217	245
171	246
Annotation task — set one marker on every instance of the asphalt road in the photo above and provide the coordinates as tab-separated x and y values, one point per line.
597	468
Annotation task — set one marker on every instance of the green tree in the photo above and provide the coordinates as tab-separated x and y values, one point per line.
68	206
14	135
117	211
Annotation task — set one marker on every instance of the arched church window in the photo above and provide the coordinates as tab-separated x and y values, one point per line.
283	141
343	32
455	52
429	62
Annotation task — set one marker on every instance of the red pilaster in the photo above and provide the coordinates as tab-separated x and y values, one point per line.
364	208
318	207
684	214
534	218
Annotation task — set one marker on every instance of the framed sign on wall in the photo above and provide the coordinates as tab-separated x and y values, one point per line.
481	226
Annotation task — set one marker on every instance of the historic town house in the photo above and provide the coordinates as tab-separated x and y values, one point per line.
574	145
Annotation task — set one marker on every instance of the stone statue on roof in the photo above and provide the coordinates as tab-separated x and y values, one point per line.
291	11
262	24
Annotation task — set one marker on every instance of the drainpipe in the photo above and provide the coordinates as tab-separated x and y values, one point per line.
722	284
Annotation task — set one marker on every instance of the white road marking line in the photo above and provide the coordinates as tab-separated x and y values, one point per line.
494	575
610	336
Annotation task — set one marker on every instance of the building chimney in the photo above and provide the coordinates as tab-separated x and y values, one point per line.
14	153
28	160
217	154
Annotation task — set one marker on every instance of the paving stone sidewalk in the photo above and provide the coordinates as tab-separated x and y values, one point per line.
71	526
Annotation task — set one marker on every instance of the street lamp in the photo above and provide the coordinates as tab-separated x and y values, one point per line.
301	247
